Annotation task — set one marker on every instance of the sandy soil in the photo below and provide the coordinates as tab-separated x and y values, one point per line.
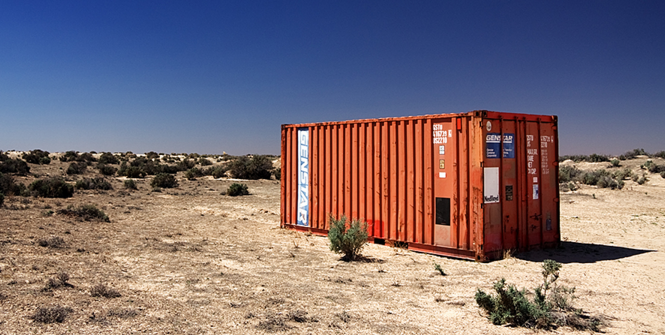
191	261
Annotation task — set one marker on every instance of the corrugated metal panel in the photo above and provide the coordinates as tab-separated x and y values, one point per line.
465	185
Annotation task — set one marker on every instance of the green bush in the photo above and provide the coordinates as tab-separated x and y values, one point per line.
218	172
660	154
623	174
85	212
37	157
278	173
568	173
609	182
642	180
131	184
108	158
164	180
106	170
69	156
662	174
193	173
237	189
185	165
54	187
2	198
17	166
152	155
77	168
93	184
347	240
258	167
3	156
9	187
615	163
204	161
130	171
550	308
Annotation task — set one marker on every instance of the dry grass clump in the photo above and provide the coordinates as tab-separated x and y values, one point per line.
52	242
102	290
51	314
85	212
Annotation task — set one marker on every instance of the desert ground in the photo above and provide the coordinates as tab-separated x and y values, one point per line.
189	260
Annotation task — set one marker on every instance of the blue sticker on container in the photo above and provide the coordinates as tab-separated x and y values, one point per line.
493	145
508	145
303	177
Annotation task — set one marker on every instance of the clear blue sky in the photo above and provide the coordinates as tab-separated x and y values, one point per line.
213	76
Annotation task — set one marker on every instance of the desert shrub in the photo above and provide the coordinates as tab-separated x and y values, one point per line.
54	187
204	161
662	174
51	314
9	187
622	174
164	180
77	168
633	154
102	290
130	171
93	184
595	158
131	184
2	199
108	158
172	169
37	157
193	173
85	212
615	163
106	170
568	173
69	156
51	242
185	164
237	189
60	280
609	182
86	157
592	177
278	173
3	156
660	154
152	155
258	167
652	167
642	180
218	171
17	166
348	241
550	308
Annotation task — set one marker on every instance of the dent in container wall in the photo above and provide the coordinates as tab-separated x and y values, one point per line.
468	185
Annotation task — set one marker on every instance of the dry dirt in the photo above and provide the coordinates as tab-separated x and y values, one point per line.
191	261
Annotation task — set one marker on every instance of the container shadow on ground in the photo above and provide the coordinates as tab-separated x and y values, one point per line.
576	252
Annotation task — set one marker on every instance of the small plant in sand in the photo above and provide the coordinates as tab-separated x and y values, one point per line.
439	269
237	189
102	290
347	239
85	212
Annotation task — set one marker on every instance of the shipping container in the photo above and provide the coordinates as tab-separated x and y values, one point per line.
473	185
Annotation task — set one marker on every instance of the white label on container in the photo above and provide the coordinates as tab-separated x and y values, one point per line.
442	175
491	185
535	191
535	180
303	177
442	150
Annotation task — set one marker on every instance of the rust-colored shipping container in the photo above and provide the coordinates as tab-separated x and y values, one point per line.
469	185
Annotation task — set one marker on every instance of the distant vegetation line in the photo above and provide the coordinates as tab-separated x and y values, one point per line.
594	158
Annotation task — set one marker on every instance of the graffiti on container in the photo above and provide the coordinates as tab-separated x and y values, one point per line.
303	177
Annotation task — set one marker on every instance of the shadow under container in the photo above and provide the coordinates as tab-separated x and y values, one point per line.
473	185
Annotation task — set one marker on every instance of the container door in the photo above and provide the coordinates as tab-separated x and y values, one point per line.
533	186
444	149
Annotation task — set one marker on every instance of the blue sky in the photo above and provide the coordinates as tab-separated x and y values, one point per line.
214	76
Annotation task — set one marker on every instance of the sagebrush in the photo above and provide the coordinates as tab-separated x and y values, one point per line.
347	239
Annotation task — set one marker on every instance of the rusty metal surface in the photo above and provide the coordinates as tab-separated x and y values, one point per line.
492	176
